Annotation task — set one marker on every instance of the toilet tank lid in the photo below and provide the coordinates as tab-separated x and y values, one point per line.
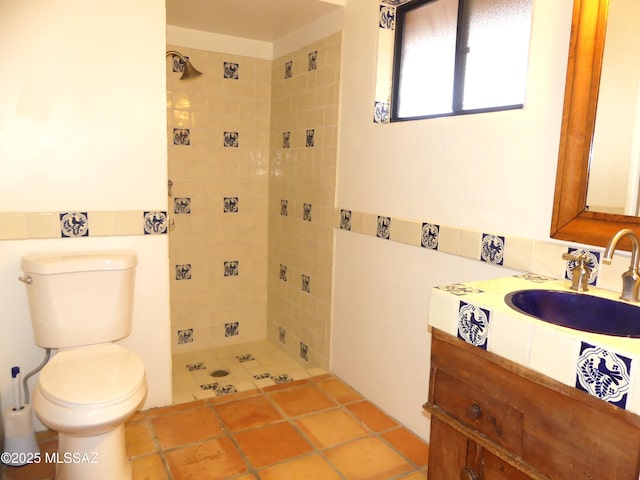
68	262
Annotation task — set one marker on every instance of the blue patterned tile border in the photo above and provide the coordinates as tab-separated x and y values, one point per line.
603	374
384	227
284	378
492	250
155	223
195	366
74	224
246	357
430	236
473	324
345	219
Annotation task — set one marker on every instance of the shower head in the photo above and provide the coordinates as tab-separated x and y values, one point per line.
189	70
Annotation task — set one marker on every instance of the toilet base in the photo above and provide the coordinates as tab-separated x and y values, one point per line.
98	457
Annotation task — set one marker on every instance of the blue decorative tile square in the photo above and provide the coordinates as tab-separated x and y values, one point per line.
185	336
282	335
177	65
458	289
492	250
155	223
288	69
183	272
345	219
535	277
209	386
384	228
593	263
473	324
231	268
306	212
313	60
284	207
262	376
181	136
304	351
430	236
284	378
311	133
306	283
230	204
231	70
286	139
603	374
231	139
182	205
381	112
231	329
225	390
246	357
74	224
283	273
387	17
192	367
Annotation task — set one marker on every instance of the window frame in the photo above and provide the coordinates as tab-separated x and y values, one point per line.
459	69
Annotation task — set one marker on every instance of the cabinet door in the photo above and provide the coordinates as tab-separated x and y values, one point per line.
453	456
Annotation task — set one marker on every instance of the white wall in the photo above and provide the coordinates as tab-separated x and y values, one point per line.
83	128
491	172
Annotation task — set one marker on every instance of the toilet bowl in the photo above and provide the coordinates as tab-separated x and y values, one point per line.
81	304
86	394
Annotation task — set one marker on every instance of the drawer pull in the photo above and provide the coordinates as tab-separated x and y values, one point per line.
474	412
468	474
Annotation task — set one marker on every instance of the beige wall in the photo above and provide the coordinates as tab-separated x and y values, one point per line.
83	128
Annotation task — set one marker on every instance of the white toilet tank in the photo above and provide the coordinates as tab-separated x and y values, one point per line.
82	298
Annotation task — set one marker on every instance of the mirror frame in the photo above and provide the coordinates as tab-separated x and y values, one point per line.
570	220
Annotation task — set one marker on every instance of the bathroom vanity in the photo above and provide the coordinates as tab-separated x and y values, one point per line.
493	418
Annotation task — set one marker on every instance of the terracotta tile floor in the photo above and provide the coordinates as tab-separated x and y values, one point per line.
313	429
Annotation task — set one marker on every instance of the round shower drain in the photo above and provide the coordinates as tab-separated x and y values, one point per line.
219	373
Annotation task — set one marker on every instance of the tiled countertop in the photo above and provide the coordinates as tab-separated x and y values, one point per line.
605	366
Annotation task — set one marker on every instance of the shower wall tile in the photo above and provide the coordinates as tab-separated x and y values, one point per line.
304	119
224	173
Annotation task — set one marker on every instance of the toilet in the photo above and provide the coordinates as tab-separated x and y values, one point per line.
81	304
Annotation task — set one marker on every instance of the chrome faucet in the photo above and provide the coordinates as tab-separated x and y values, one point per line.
630	278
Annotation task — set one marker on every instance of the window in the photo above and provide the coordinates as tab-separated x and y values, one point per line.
455	57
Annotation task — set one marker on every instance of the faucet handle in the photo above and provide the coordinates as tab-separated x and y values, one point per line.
580	272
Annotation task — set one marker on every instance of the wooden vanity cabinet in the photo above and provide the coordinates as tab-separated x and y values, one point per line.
492	419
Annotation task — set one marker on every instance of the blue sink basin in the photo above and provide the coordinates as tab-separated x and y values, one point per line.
578	311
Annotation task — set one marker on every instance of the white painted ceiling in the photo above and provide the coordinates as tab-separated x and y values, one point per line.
265	20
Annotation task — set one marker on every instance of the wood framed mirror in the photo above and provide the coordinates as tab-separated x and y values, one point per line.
571	220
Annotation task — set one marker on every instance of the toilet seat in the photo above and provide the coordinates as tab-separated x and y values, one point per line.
96	376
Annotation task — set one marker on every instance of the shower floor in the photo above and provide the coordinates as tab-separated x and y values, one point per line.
249	365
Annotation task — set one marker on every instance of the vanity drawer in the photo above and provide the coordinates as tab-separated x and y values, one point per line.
480	410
